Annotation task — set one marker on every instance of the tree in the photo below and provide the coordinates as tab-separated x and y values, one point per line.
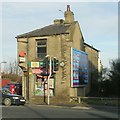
109	82
104	83
12	72
114	75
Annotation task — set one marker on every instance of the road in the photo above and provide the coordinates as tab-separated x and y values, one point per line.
44	111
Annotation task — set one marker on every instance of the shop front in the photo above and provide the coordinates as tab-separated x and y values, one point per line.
40	77
41	85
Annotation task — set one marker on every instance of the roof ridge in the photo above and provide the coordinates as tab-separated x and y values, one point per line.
47	30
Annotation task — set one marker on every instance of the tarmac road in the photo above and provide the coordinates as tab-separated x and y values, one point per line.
53	111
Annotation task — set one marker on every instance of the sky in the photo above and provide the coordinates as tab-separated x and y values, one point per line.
98	22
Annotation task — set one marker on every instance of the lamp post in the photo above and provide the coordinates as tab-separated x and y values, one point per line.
0	72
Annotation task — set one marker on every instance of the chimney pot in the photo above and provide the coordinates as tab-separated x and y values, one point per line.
68	7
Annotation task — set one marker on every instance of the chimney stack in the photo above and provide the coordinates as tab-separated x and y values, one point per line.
69	16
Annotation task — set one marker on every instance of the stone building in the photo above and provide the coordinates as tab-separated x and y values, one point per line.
93	58
55	40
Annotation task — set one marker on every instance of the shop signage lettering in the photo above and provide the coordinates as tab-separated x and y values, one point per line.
35	64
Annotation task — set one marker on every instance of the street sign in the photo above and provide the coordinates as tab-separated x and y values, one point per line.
35	64
21	59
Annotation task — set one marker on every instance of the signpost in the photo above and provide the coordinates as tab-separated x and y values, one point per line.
49	81
52	67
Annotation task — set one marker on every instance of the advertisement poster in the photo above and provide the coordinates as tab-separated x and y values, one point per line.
42	86
79	68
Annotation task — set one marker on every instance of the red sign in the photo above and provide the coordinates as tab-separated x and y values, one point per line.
22	54
37	71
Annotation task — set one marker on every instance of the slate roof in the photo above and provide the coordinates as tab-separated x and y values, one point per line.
47	31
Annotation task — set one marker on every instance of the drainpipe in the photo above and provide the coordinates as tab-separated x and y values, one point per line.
27	78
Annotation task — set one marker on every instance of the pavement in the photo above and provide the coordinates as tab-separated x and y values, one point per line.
78	106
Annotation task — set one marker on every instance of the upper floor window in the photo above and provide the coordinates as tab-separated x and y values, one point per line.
41	48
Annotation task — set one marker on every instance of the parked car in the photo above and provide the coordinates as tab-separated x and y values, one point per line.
15	88
9	99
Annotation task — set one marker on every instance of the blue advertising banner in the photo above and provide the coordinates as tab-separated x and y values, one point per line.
79	68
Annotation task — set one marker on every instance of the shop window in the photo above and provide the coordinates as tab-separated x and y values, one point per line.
41	48
41	86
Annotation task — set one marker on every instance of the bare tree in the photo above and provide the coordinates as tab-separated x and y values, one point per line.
12	71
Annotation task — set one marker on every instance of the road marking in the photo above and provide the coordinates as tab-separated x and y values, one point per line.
79	107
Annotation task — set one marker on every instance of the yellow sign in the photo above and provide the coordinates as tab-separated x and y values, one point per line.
34	64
